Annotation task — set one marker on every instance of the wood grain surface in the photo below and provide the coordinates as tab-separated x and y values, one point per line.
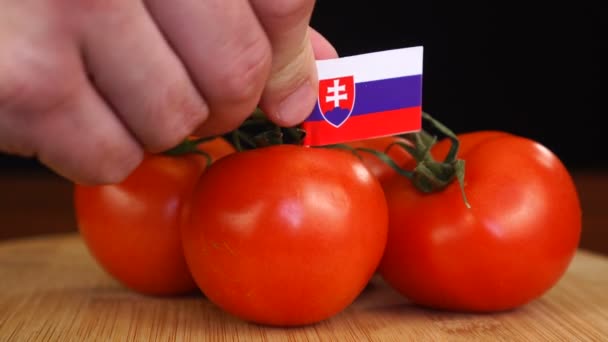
52	290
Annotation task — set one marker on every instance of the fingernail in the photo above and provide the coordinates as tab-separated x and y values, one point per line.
298	105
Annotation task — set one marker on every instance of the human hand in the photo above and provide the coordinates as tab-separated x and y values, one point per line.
88	86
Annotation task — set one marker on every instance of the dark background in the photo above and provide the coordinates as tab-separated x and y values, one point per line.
528	69
522	67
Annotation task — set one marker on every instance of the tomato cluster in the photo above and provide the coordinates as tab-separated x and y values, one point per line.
510	245
289	235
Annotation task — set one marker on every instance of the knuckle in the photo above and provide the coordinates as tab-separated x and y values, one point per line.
116	173
243	80
97	152
106	164
114	164
33	87
180	112
18	87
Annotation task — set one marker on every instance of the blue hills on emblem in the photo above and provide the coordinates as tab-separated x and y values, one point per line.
337	116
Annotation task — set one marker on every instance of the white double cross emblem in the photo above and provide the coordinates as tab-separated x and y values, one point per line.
337	92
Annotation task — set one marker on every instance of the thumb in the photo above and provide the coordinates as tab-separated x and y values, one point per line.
291	90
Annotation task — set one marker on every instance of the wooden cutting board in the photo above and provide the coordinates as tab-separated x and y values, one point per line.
52	290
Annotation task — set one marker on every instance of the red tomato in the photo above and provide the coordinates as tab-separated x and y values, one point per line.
132	228
285	235
467	141
376	166
509	248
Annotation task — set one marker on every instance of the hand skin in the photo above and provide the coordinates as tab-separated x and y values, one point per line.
88	86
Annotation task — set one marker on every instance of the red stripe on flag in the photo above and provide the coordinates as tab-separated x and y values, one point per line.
366	126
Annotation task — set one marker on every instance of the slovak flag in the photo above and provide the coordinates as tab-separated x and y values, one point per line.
367	96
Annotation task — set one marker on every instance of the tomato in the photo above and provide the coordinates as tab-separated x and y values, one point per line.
132	228
509	248
379	168
285	235
467	141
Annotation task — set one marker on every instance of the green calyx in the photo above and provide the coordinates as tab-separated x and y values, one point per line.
429	175
190	146
257	131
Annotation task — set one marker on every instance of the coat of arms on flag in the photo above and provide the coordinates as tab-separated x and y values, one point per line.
336	99
367	96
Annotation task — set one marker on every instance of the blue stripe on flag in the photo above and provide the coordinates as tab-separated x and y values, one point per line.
383	95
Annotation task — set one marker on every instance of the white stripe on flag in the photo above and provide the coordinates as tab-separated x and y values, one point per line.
375	65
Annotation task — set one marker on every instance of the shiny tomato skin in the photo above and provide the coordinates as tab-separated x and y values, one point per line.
380	169
509	248
132	228
285	235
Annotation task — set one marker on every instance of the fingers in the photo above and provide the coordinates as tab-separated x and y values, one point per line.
84	141
291	90
65	124
49	110
137	72
225	51
158	71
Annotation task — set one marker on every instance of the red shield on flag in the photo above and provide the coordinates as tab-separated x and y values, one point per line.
336	99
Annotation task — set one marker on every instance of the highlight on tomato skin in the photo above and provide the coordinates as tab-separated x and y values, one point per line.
132	228
511	247
290	242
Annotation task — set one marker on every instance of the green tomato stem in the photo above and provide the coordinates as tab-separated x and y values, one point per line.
429	175
190	146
